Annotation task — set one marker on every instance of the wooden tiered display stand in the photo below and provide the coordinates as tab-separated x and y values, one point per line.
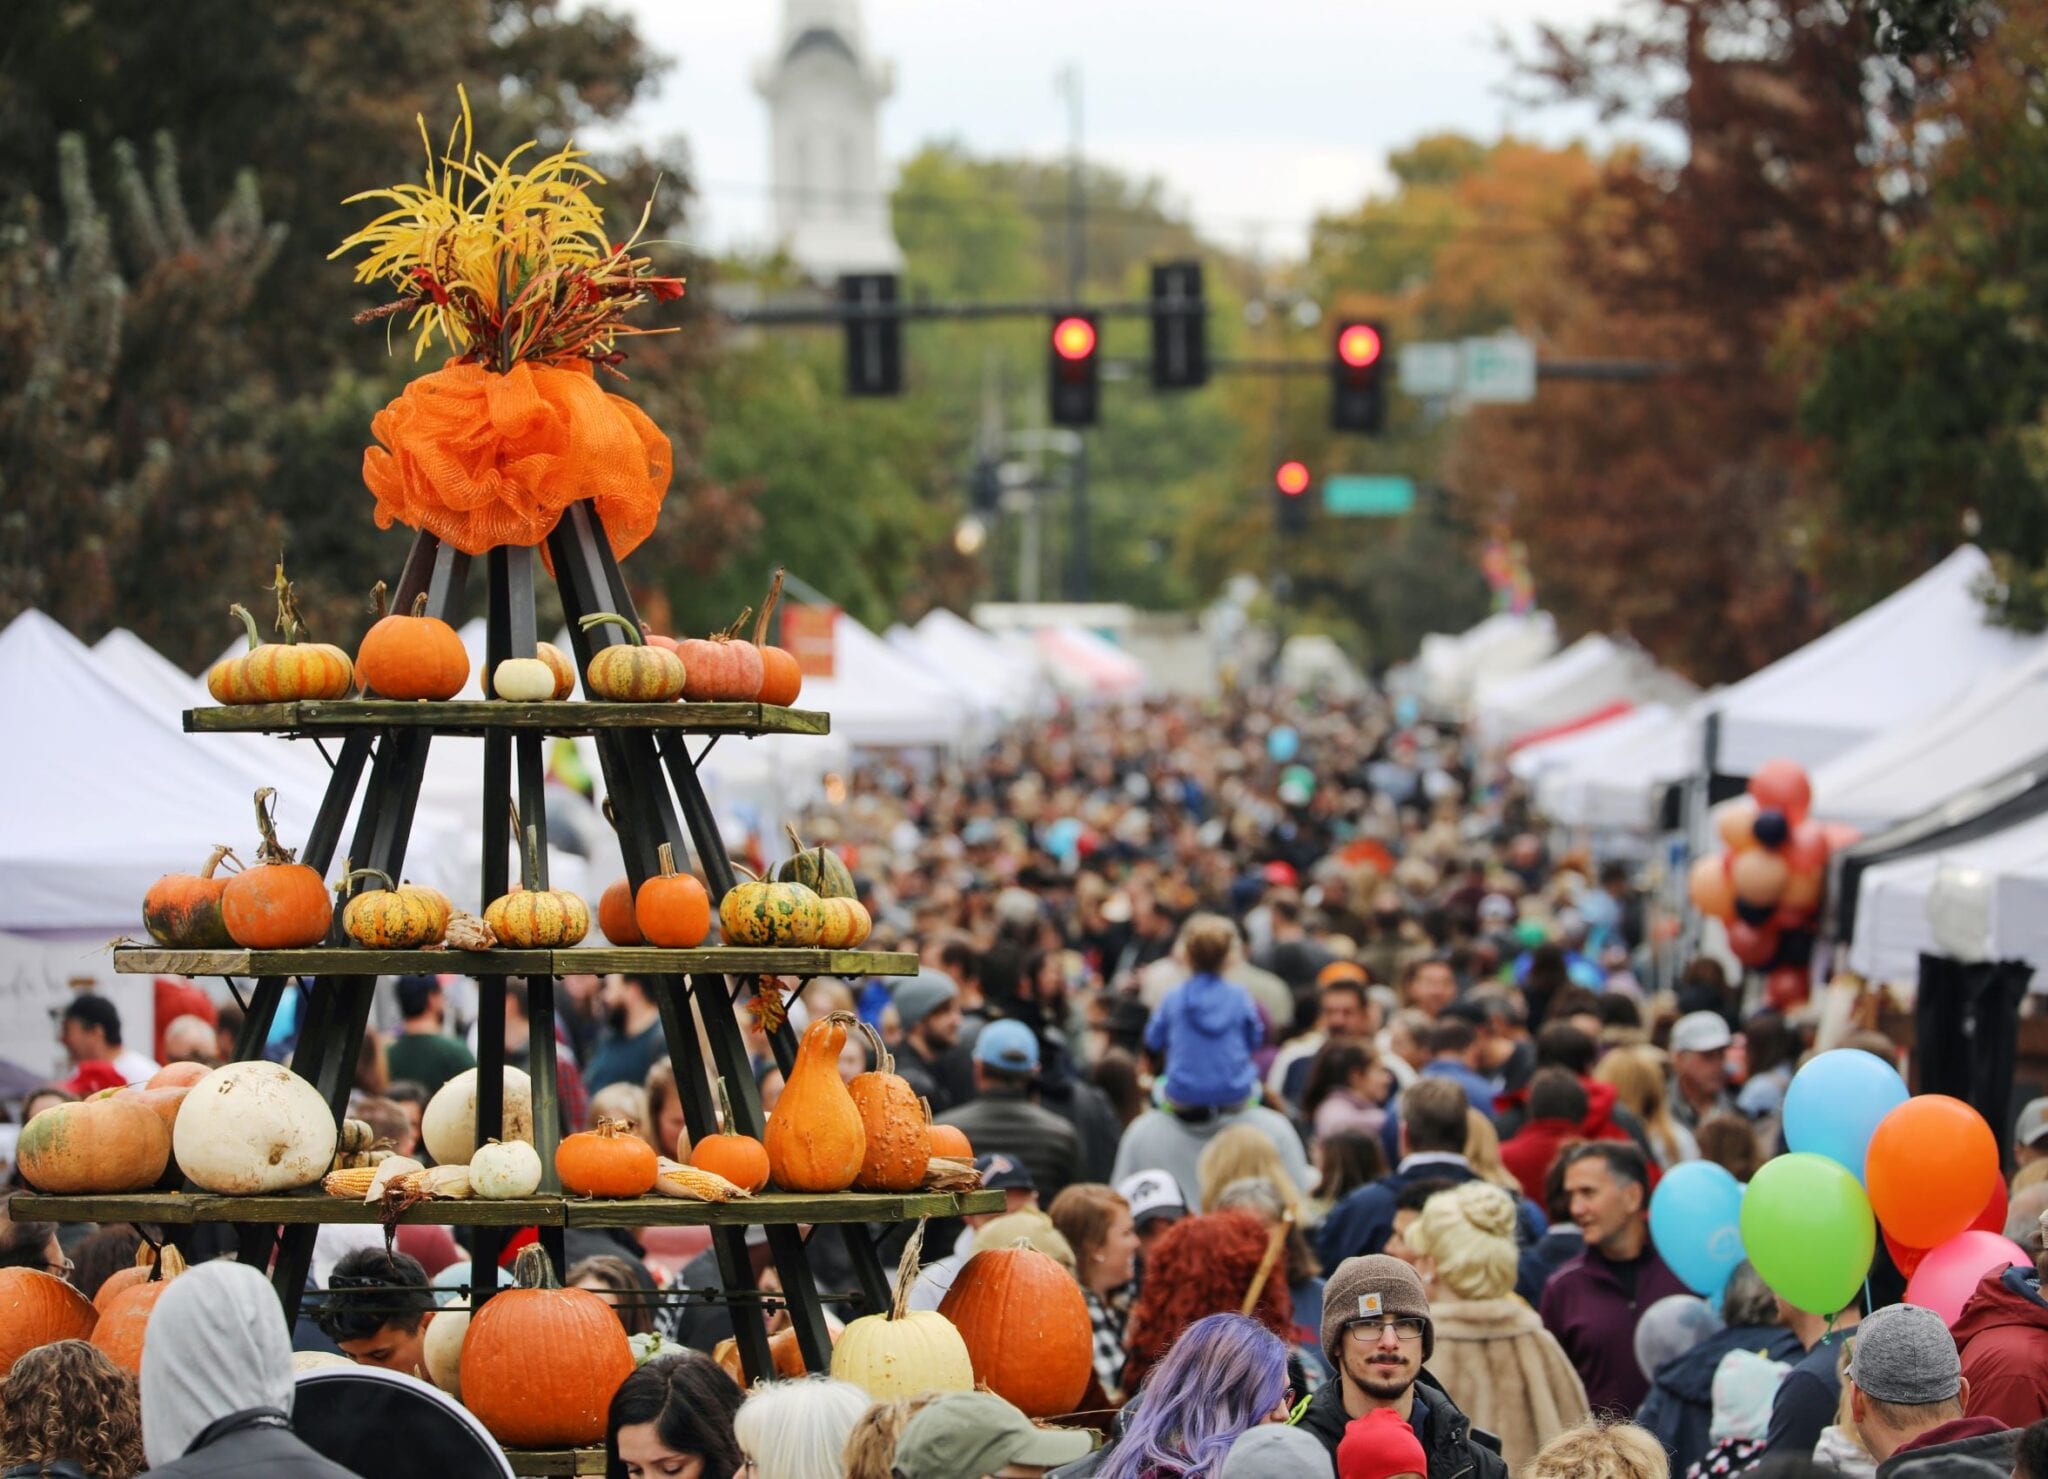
651	778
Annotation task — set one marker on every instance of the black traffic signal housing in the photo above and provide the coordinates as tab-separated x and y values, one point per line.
1073	370
874	341
1180	327
1291	493
1358	362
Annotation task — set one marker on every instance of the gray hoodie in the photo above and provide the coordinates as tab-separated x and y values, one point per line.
217	1346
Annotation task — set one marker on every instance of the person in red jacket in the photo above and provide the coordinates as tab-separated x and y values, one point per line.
1561	1110
2002	1335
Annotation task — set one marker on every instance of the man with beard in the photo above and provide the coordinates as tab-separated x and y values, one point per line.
928	1010
632	1042
1377	1335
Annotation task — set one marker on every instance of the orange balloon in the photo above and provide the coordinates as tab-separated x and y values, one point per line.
1782	785
1736	822
1759	877
1807	849
1710	889
1930	1169
1752	944
1802	891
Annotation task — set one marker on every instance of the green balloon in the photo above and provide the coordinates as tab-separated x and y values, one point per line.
1807	1228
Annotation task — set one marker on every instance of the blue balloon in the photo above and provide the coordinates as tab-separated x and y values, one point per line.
1283	743
1063	836
1407	709
1834	1103
1696	1224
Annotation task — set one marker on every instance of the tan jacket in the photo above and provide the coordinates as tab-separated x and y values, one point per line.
1506	1372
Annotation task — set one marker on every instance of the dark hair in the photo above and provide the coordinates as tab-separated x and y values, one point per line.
690	1400
370	1289
1557	1094
415	995
2030	1460
23	1244
1613	871
1561	1045
96	1011
1331	1070
624	1276
1623	1159
1771	1042
1451	1035
1547	970
516	991
1416	1194
1115	1072
644	985
959	959
101	1254
1350	1160
1573	1001
1557	1207
1346	986
386	1118
1729	1142
1617	1010
1433	1115
407	1091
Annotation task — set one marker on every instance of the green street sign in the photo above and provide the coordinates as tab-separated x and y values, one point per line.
1369	497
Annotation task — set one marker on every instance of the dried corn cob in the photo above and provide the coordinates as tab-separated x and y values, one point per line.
354	1181
942	1174
693	1185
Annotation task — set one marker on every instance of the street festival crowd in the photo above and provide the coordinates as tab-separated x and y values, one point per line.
1197	980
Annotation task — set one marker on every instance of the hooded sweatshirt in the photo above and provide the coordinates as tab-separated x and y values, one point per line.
2002	1336
1208	1029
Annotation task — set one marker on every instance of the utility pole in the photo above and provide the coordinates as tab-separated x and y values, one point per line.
1079	582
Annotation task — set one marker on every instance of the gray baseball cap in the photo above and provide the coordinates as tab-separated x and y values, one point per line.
1276	1451
1905	1354
965	1433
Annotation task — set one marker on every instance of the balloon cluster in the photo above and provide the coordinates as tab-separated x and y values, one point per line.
1767	886
1864	1158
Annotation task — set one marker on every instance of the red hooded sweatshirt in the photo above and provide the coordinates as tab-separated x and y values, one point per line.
2002	1335
1530	1151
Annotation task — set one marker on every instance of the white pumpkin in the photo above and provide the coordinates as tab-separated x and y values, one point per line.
903	1351
318	1360
442	1344
448	1128
255	1128
523	680
504	1169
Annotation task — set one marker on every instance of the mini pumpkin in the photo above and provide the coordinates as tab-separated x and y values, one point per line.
615	914
558	664
540	1363
523	680
400	917
892	1120
633	671
277	904
504	1169
411	657
536	918
740	1159
182	910
609	1161
843	923
902	1353
781	679
815	1139
759	912
949	1142
124	1319
672	909
281	672
723	667
818	869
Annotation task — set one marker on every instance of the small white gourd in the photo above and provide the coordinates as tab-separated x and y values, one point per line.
442	1347
504	1169
523	680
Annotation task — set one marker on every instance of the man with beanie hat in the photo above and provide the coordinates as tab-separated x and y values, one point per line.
1376	1334
1380	1446
1906	1397
928	1011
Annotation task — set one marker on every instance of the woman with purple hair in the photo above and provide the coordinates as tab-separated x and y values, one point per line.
1224	1374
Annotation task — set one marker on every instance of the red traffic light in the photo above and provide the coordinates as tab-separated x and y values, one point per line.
1291	478
1358	345
1073	338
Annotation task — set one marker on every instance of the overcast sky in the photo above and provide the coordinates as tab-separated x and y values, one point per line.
1256	113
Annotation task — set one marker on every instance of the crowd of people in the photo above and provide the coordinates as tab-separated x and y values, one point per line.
1337	1086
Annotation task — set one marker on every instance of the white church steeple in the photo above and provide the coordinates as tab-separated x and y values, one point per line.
824	92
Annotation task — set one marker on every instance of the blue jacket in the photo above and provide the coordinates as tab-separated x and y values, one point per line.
1680	1407
1363	1221
1208	1030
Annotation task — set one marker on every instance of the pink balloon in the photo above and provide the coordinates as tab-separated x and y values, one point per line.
1950	1274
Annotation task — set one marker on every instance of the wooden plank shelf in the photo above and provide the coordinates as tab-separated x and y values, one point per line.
312	718
546	1463
342	960
769	1209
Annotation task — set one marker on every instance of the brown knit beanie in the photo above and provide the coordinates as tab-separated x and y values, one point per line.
1373	1287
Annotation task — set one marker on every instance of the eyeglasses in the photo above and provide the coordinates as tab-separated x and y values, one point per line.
1369	1332
63	1268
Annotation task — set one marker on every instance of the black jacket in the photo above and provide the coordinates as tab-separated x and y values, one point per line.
1454	1450
252	1453
56	1468
923	1076
1973	1440
1680	1407
1003	1119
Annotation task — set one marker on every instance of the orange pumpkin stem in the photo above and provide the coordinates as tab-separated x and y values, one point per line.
767	607
380	602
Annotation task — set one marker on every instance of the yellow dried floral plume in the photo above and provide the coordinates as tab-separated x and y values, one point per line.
505	263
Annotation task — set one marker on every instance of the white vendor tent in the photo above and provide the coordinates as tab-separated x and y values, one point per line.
1014	681
1917	652
1892	927
1087	666
1505	643
1594	673
879	699
1998	726
1604	778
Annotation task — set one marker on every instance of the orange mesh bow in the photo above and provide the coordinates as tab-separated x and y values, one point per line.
483	459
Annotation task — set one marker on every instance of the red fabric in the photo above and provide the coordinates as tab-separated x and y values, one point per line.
92	1077
517	1241
434	1247
2002	1336
1530	1151
177	997
1380	1445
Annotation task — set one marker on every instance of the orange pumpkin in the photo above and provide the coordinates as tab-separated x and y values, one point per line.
610	1161
892	1118
950	1142
124	1318
182	910
783	1351
723	667
277	904
672	909
781	679
842	923
615	914
740	1159
164	1101
815	1138
280	672
540	1363
558	664
37	1309
123	1278
177	1076
1026	1326
417	656
633	671
99	1145
534	918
